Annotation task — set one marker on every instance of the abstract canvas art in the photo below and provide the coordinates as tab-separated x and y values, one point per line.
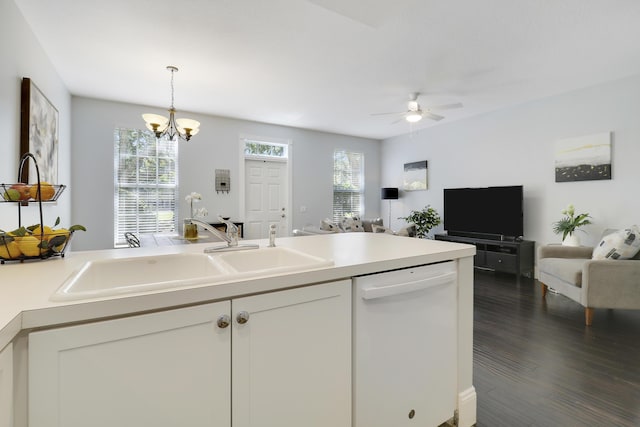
583	158
415	176
38	133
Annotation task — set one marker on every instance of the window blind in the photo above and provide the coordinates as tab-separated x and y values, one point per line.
348	184
146	184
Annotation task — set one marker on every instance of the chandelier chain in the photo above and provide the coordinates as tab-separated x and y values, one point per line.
172	96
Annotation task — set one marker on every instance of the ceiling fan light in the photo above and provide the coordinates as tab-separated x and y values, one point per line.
413	117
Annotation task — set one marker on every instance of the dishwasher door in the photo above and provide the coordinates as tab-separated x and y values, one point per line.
404	351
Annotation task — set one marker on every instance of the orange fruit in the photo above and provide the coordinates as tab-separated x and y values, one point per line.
46	191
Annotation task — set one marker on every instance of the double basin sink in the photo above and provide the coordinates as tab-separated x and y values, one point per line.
110	277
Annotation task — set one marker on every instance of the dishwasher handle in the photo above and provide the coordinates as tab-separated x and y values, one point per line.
369	293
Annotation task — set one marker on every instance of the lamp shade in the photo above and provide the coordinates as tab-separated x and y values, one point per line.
389	193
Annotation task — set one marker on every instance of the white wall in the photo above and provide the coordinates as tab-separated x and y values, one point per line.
215	147
22	56
516	146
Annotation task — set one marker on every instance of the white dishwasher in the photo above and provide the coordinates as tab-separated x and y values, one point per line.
404	351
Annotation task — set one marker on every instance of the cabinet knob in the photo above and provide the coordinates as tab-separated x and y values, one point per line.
223	321
242	317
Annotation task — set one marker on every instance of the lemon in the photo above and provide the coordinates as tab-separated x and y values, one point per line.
9	250
16	237
46	191
29	246
37	232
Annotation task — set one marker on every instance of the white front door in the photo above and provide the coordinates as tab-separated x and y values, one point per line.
265	198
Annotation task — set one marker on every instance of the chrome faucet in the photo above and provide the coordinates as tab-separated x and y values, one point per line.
231	236
272	236
232	231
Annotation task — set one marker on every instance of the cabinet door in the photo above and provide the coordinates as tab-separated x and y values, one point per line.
169	369
502	262
6	387
292	358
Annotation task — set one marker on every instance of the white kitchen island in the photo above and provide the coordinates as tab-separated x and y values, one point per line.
288	360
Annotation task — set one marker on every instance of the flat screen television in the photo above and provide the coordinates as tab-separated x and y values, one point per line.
490	212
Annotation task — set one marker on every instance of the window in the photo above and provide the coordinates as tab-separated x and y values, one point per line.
348	184
262	149
146	184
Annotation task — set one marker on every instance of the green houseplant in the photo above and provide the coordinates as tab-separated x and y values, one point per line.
424	220
570	222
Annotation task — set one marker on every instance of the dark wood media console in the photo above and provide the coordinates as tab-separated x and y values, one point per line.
516	257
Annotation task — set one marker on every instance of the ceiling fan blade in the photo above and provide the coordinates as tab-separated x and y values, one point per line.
386	114
447	106
397	121
432	116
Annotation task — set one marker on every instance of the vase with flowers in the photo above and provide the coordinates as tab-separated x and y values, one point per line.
569	223
190	231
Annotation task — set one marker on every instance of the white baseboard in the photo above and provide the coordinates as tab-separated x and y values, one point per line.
467	404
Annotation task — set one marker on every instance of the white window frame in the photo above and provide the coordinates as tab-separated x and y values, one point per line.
266	142
140	227
356	182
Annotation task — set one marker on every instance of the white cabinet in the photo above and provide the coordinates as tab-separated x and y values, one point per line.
292	358
162	369
291	365
6	387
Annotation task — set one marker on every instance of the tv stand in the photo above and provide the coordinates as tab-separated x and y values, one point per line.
516	256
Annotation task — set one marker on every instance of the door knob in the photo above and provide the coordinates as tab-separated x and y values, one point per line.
223	321
242	317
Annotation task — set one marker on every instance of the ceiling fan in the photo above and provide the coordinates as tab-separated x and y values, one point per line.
415	113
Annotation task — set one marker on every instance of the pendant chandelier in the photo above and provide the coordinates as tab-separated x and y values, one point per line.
184	129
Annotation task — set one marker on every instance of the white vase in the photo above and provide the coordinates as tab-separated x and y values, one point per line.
571	240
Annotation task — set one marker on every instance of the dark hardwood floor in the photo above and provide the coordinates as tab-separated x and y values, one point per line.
537	364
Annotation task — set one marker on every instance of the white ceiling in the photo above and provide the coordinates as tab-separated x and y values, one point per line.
329	64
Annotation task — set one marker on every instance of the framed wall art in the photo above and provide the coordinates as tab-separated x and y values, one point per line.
415	176
583	158
38	133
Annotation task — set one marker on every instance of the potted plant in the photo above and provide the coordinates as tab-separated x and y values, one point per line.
570	223
424	220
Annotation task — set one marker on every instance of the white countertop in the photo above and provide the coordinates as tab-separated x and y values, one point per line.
26	288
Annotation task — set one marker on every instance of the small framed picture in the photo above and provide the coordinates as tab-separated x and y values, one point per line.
415	176
38	134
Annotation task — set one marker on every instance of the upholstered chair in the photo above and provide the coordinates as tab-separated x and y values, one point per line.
594	283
